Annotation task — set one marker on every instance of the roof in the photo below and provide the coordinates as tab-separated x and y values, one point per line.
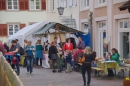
52	25
125	6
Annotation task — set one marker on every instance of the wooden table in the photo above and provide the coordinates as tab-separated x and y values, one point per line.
107	65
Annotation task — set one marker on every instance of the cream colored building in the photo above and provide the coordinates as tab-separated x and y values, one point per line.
71	7
16	14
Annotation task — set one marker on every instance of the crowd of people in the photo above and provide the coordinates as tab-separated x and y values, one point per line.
66	51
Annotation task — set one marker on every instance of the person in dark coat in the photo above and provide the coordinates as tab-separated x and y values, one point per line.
53	56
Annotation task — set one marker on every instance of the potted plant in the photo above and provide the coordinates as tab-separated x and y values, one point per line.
126	82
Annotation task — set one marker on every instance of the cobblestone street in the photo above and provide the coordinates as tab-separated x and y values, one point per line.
44	77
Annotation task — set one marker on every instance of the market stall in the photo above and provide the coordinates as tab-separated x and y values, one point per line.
51	30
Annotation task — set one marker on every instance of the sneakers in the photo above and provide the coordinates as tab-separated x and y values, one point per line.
66	71
59	71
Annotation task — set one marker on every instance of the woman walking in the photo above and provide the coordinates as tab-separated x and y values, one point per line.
86	66
29	52
39	53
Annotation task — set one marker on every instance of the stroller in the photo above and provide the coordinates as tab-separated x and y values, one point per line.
12	60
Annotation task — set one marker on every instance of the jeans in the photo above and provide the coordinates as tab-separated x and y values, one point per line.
59	64
37	59
17	64
30	64
17	67
74	64
86	67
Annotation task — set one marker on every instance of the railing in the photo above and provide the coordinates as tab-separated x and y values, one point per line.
8	77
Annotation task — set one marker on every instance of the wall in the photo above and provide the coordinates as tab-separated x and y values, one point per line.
22	16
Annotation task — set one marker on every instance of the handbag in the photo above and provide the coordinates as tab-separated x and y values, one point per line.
54	56
81	60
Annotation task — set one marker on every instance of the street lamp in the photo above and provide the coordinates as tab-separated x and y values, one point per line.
60	10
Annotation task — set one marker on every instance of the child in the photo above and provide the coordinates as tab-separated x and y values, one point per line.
68	61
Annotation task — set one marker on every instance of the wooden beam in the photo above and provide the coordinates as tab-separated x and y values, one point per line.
57	27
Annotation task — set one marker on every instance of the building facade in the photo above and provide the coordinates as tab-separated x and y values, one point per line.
71	11
110	26
16	14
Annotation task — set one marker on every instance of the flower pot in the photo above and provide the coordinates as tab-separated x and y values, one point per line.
126	83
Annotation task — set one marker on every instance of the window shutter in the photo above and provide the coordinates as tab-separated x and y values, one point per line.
0	5
3	3
22	26
26	4
5	31
43	4
1	30
21	5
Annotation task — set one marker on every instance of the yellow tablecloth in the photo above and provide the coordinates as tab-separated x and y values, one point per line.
107	65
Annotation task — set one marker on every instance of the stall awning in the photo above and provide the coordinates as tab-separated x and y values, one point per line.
45	28
52	25
125	6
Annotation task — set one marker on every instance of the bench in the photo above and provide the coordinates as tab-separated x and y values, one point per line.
122	70
98	70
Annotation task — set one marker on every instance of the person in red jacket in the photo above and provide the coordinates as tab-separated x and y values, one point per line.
68	45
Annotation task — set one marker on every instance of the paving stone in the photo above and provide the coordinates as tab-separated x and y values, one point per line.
45	77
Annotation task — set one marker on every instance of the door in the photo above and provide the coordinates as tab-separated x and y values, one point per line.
124	44
102	43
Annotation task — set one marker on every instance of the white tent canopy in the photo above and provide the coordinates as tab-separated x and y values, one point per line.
26	33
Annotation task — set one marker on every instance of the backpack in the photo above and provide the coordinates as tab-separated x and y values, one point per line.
21	51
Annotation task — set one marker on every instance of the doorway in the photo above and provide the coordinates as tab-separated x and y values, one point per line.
124	44
102	43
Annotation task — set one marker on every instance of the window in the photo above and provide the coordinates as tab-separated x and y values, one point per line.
13	28
101	1
52	5
119	1
12	4
85	27
102	24
86	3
74	3
123	24
65	3
35	4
